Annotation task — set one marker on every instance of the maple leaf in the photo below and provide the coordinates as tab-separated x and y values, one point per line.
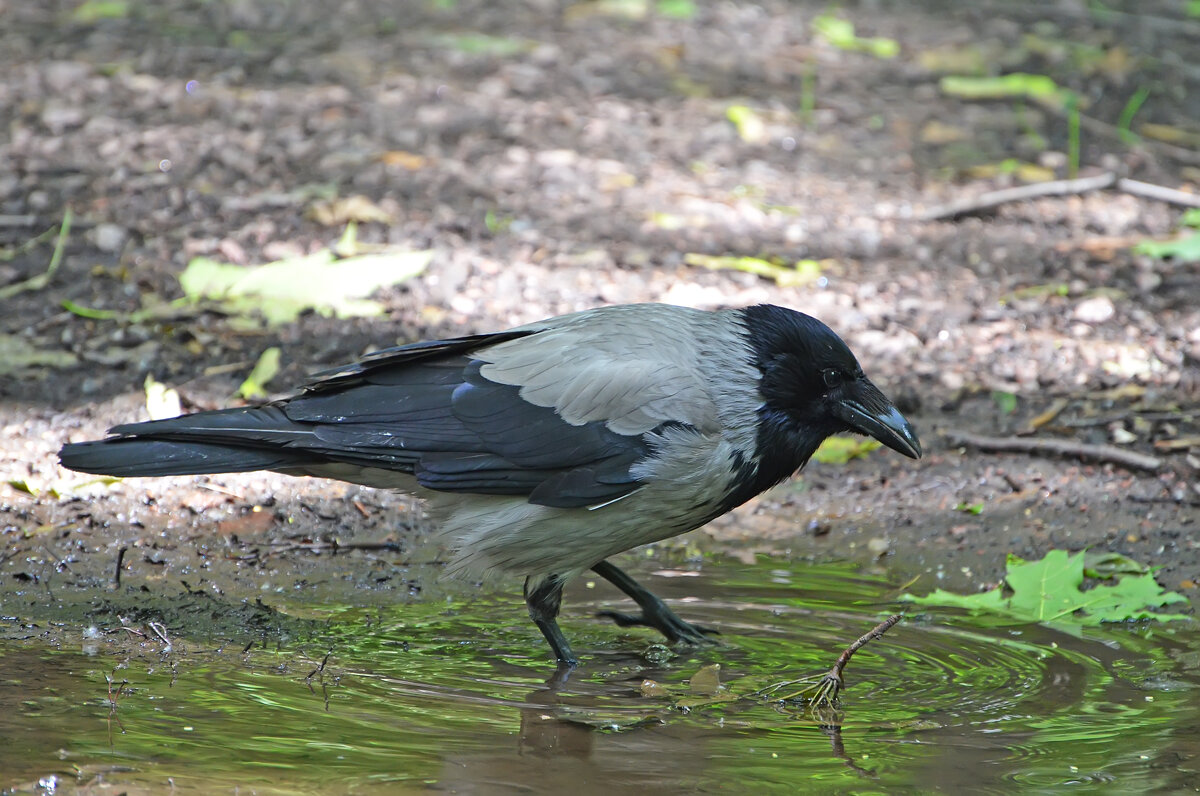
1049	591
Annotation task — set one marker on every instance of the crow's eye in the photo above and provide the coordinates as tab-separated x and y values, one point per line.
833	378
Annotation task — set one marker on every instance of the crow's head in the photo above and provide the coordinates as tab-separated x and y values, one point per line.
812	386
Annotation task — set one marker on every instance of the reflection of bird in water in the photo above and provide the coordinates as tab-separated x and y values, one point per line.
581	743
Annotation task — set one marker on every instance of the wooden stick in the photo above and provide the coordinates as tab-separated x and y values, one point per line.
839	667
823	692
1166	499
120	560
1159	192
1058	447
993	199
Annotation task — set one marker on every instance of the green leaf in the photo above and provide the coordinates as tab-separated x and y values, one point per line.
1048	591
91	11
254	387
89	312
1015	85
1105	565
840	33
748	122
21	485
496	224
802	273
839	450
990	601
482	44
1045	590
676	9
1185	249
970	508
706	681
281	290
1005	401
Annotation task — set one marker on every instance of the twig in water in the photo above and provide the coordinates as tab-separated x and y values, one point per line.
838	748
1057	447
160	630
320	670
117	572
120	692
823	692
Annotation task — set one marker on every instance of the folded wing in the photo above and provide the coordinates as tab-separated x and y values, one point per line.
560	414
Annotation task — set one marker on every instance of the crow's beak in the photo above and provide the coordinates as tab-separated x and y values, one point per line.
869	412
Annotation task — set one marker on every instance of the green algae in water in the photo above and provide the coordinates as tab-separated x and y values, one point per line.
453	695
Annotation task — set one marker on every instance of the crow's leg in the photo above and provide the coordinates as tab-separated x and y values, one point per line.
655	612
543	596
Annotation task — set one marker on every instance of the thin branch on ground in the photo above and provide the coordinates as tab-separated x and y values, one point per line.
1013	483
1057	447
1148	416
1177	444
7	255
220	490
1160	192
993	199
320	547
1163	499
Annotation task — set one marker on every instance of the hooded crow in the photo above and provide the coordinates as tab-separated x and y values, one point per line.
545	449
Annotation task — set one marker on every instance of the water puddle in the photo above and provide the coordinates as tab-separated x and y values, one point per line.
454	696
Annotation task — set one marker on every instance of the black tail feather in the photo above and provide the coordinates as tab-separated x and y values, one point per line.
224	441
131	456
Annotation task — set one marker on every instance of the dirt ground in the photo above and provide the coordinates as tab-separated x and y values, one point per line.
558	157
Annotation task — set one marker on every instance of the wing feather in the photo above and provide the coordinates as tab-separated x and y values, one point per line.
633	367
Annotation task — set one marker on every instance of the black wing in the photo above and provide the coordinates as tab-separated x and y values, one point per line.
423	409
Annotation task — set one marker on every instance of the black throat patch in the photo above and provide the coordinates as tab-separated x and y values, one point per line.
787	436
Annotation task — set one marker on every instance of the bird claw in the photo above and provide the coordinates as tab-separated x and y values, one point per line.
666	622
